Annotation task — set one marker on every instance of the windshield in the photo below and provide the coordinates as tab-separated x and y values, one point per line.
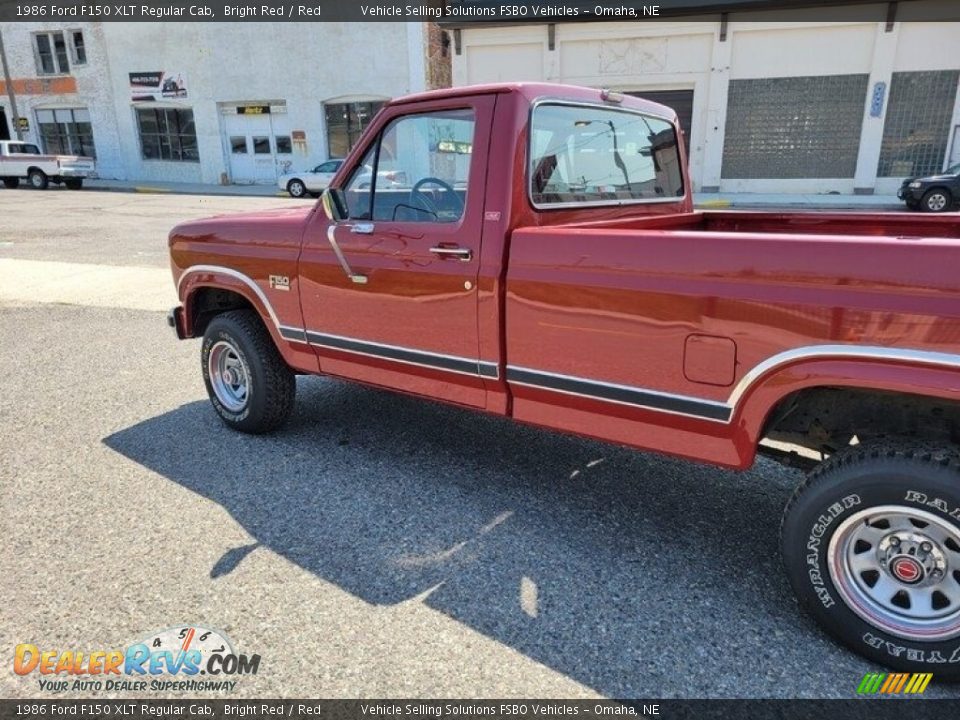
953	169
587	155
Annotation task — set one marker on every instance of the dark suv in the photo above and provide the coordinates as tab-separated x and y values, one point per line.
936	193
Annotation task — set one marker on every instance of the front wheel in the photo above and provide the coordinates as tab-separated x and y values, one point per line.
38	179
936	200
296	188
250	386
871	545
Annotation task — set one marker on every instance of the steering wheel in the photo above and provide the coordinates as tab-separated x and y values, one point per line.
426	202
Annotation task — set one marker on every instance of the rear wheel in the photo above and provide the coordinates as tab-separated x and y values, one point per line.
38	179
249	385
296	188
11	183
936	200
73	183
871	545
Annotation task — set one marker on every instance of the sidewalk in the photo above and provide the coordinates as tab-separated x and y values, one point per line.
714	201
184	188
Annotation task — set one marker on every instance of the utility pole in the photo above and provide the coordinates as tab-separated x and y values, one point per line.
11	96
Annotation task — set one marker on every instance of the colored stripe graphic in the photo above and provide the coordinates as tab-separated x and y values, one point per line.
894	683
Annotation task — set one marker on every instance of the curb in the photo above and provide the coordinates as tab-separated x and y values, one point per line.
714	204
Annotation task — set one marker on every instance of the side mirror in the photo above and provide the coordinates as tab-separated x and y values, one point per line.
334	202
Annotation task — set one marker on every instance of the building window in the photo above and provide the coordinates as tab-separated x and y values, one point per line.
78	48
794	127
346	123
261	145
917	125
284	147
66	132
238	144
167	134
51	52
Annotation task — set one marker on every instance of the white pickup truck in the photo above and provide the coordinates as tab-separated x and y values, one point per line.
20	160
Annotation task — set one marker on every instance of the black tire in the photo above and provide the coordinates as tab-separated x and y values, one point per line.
11	183
936	200
271	384
297	188
73	183
38	179
917	477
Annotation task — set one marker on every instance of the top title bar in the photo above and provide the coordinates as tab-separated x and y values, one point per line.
458	13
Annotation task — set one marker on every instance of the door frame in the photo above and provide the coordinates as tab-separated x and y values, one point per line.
418	363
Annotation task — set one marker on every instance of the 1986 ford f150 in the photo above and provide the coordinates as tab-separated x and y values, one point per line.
541	259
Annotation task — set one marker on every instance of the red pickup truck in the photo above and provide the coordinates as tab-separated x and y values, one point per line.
540	258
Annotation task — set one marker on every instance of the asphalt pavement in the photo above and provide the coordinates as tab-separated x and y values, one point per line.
380	545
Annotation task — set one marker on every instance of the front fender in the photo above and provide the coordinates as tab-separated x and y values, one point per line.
289	340
210	276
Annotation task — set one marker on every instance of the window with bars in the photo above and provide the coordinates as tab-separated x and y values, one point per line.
66	131
794	127
51	53
345	123
167	134
916	129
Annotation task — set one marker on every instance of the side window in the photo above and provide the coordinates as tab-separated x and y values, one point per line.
327	167
417	171
423	167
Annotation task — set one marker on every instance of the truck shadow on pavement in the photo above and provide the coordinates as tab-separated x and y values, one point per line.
631	573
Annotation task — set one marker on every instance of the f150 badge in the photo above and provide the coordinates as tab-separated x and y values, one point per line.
279	282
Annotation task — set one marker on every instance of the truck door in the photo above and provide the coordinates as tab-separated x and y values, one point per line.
389	296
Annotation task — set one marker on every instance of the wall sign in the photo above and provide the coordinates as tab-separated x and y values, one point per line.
253	110
157	85
23	124
876	100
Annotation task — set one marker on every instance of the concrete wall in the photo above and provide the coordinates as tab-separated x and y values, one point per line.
301	65
690	55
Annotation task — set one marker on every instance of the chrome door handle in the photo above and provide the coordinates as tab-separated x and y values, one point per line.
462	254
362	228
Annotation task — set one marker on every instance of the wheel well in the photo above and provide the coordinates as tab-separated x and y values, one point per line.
826	419
944	188
34	167
209	302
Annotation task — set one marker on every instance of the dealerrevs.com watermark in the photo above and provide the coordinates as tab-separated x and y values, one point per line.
187	658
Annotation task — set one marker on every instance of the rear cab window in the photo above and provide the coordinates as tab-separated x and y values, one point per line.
588	155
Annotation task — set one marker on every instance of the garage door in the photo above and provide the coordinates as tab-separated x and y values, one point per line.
259	144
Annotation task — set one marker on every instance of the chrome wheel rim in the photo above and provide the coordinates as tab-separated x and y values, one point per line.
937	201
36	180
229	376
898	568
